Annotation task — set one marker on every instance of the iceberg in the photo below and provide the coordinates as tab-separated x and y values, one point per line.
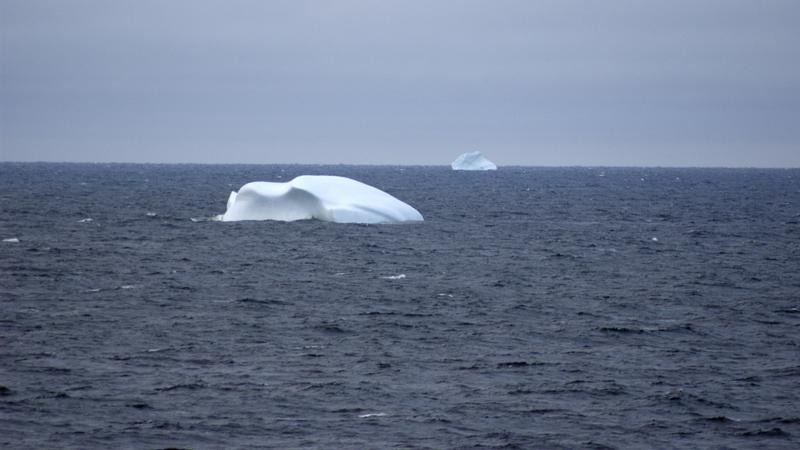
322	197
473	161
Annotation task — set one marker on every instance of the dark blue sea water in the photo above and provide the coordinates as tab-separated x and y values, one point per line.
540	308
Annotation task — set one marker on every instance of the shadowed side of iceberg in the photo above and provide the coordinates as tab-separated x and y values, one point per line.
328	198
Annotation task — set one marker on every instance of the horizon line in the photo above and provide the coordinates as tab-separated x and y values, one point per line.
543	166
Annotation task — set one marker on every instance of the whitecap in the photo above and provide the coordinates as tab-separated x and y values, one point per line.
395	277
216	218
367	416
11	240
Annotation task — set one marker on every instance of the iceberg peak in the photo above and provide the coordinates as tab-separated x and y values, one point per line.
322	197
473	161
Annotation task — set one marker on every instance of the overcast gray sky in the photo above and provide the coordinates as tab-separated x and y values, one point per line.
612	82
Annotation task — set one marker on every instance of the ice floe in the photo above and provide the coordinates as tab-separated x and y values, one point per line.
322	197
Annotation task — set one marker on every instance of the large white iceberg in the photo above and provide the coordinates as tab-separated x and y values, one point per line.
473	161
329	198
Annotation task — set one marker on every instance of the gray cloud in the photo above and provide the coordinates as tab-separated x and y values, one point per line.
546	82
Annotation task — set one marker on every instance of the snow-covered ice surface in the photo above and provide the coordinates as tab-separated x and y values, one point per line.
323	197
473	161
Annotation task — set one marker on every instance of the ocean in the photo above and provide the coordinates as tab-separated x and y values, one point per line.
554	308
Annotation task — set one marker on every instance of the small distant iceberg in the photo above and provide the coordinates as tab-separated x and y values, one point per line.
473	161
322	197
